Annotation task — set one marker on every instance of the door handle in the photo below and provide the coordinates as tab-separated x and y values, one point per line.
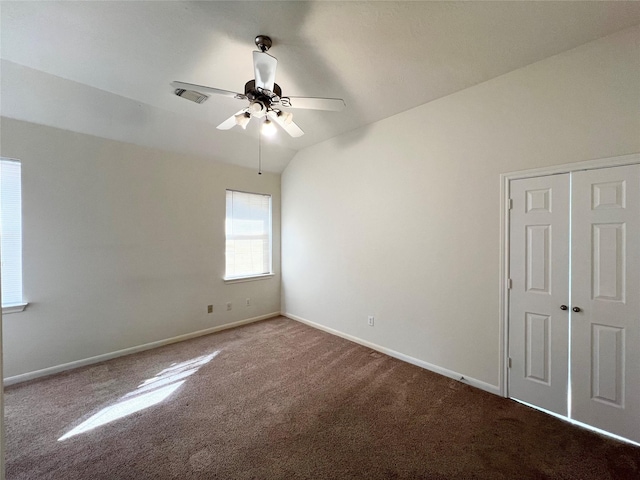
563	307
576	309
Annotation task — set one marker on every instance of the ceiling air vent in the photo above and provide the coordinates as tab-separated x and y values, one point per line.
191	95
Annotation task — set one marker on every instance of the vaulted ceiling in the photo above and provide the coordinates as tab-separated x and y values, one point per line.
104	68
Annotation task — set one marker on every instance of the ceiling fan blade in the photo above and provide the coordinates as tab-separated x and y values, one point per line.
288	126
203	89
230	122
310	103
265	70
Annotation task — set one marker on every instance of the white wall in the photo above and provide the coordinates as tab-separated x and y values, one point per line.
123	245
401	219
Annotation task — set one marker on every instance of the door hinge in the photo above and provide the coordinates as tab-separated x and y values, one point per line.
509	363
509	203
509	284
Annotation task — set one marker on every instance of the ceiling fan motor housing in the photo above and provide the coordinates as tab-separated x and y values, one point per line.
253	94
257	108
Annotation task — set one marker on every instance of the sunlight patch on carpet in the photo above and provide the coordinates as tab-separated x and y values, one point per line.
150	392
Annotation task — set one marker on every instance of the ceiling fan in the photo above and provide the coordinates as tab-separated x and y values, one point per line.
264	96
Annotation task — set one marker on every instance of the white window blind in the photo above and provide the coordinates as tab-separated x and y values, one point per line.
11	231
248	234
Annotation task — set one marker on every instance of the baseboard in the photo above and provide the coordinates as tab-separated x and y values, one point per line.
127	351
401	356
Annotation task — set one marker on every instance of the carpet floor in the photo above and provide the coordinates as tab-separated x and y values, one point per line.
280	400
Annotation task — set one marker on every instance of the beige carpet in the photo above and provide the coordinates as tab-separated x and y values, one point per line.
280	400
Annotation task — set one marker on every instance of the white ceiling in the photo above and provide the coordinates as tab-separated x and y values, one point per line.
104	68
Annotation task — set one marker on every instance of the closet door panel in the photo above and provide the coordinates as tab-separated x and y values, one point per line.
539	267
605	287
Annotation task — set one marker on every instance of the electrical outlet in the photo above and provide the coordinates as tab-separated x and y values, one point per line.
370	320
248	302
209	308
228	306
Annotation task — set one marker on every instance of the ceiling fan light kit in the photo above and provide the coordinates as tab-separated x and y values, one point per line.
242	119
287	117
268	128
264	96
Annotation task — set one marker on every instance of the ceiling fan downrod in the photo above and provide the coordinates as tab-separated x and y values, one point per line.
263	43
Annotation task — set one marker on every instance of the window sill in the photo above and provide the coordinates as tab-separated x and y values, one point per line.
250	278
15	308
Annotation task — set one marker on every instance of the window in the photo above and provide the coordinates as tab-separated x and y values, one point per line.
248	235
11	235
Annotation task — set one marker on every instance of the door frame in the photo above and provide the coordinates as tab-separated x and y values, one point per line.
505	190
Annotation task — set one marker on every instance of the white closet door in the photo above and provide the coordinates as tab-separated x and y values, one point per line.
539	267
605	276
